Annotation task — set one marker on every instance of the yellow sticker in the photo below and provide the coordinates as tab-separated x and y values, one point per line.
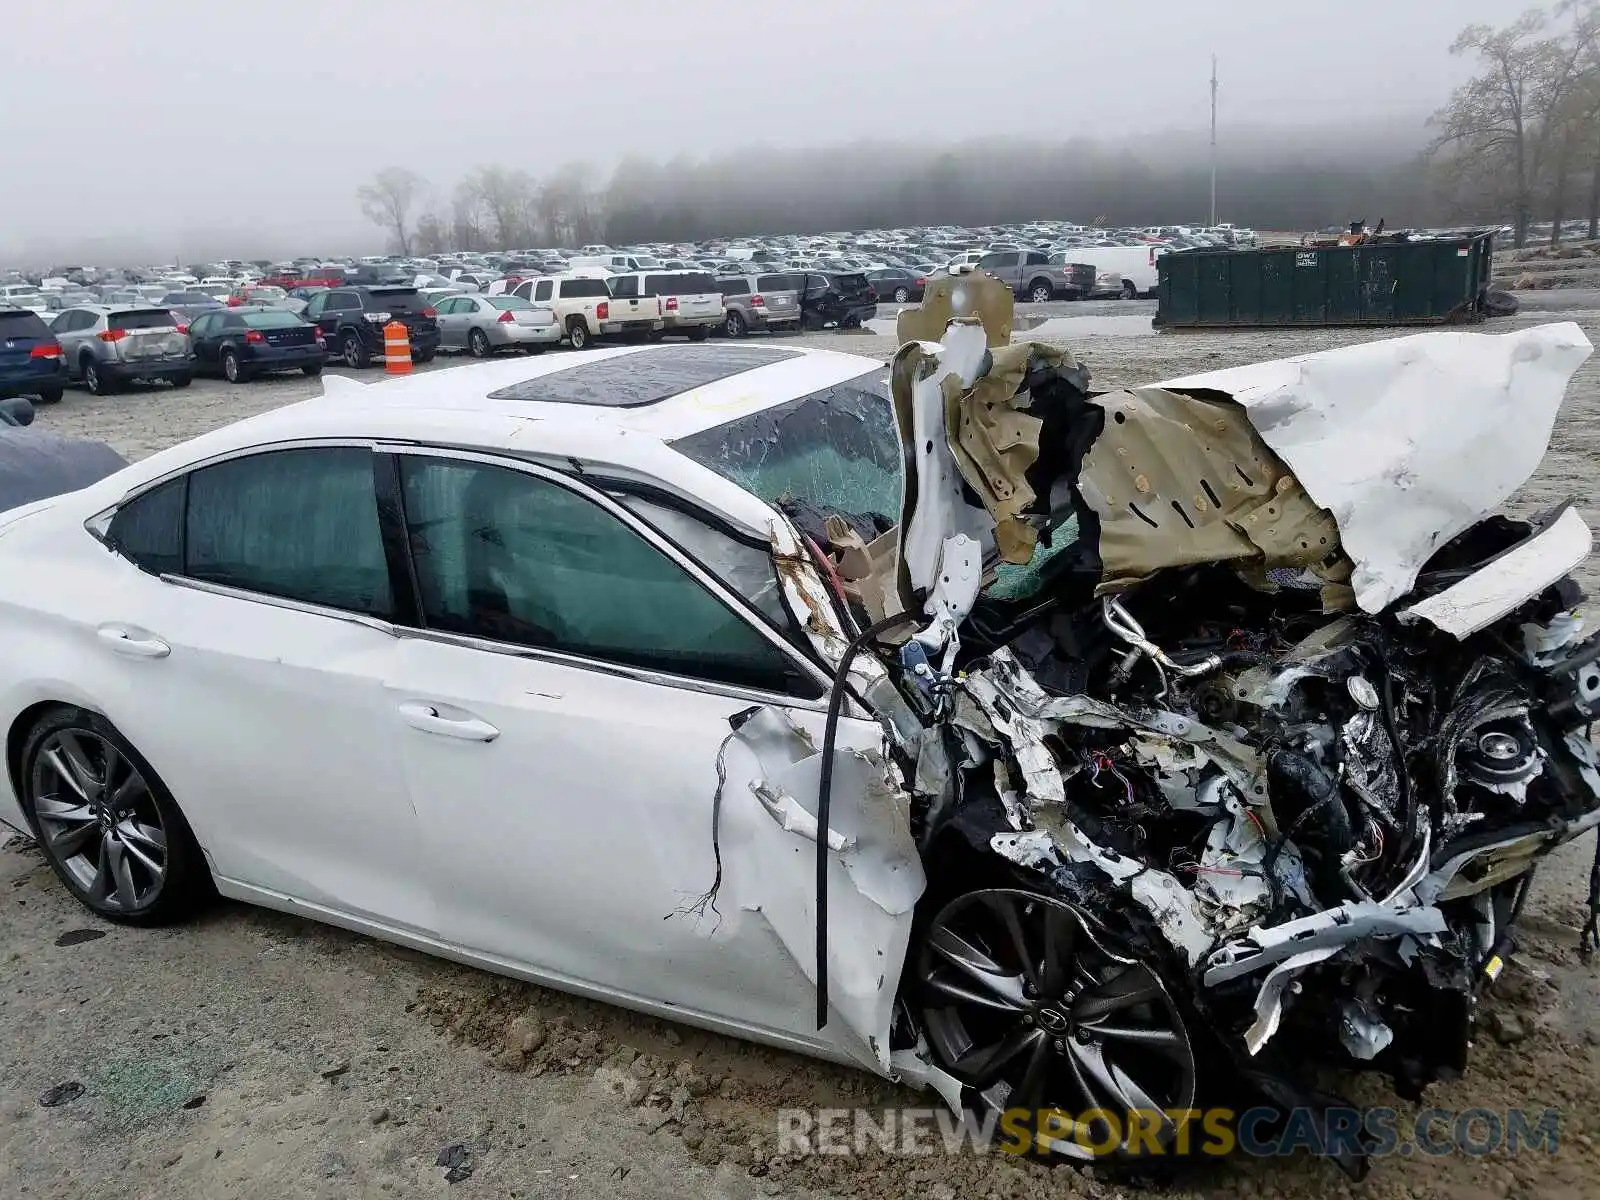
1494	966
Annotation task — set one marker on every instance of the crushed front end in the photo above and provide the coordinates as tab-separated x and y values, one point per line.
1246	720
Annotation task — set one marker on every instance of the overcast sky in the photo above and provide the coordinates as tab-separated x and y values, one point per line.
179	119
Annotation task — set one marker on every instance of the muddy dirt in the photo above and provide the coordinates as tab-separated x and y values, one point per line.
256	1055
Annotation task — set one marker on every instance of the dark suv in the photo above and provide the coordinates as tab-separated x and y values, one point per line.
30	357
841	298
352	321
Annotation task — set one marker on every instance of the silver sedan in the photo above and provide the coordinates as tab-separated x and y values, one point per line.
484	325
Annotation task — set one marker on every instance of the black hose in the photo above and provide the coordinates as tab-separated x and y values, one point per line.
1402	777
830	737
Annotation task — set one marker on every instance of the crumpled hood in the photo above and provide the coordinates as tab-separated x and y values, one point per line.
1409	441
1345	469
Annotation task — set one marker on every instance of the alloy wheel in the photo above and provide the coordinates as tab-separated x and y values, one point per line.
98	820
1040	295
1025	1004
478	344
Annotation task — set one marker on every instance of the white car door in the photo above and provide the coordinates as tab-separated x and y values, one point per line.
245	634
572	707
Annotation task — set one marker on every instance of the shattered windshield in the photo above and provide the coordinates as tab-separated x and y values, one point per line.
832	451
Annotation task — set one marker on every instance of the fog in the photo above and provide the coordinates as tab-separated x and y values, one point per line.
174	128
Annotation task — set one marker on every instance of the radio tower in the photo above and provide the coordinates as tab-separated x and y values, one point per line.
1213	141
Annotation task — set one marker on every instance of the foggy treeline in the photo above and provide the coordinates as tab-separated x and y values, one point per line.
1519	141
1304	183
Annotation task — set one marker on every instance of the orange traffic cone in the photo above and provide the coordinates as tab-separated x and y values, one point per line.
396	349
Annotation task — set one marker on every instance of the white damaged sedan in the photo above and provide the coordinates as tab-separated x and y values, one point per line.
1064	751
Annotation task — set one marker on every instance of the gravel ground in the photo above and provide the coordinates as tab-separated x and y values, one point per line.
256	1055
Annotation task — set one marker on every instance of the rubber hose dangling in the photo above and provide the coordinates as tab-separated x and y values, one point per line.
830	736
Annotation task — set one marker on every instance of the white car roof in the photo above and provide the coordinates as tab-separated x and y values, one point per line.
616	414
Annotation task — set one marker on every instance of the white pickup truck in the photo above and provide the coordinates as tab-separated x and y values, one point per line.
586	309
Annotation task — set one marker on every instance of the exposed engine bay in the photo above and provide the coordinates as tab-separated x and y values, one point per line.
1242	718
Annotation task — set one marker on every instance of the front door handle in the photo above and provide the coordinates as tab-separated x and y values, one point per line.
449	722
134	644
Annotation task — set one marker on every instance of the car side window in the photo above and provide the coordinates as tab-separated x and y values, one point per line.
510	557
316	305
545	289
300	524
1035	259
201	326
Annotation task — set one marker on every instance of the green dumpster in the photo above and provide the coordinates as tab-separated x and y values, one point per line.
1430	282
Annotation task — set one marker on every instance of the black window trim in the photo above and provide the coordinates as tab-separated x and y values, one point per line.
406	595
99	526
729	599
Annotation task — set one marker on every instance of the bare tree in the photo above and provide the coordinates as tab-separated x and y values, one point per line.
467	217
388	202
432	233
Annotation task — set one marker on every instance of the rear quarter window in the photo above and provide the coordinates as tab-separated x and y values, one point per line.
573	289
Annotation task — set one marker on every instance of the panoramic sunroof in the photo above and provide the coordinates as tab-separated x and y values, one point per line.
648	377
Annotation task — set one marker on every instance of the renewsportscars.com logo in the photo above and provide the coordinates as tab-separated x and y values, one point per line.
1217	1132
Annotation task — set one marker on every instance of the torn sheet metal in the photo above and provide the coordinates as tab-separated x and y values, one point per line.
966	299
1180	480
768	830
1500	586
1408	441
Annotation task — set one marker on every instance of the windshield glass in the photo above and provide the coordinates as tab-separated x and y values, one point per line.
833	451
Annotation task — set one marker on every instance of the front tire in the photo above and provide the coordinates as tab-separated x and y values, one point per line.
1033	1004
108	826
901	295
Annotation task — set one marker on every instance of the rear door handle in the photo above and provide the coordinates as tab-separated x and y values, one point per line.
448	722
135	644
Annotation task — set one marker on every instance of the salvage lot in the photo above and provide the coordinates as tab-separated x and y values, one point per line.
330	1065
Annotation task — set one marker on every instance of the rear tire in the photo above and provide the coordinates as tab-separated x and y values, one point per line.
699	333
1129	292
733	324
355	351
232	369
52	395
578	333
1041	292
98	384
312	371
122	847
182	381
425	357
478	344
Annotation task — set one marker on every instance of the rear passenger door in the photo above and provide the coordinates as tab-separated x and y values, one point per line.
246	659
